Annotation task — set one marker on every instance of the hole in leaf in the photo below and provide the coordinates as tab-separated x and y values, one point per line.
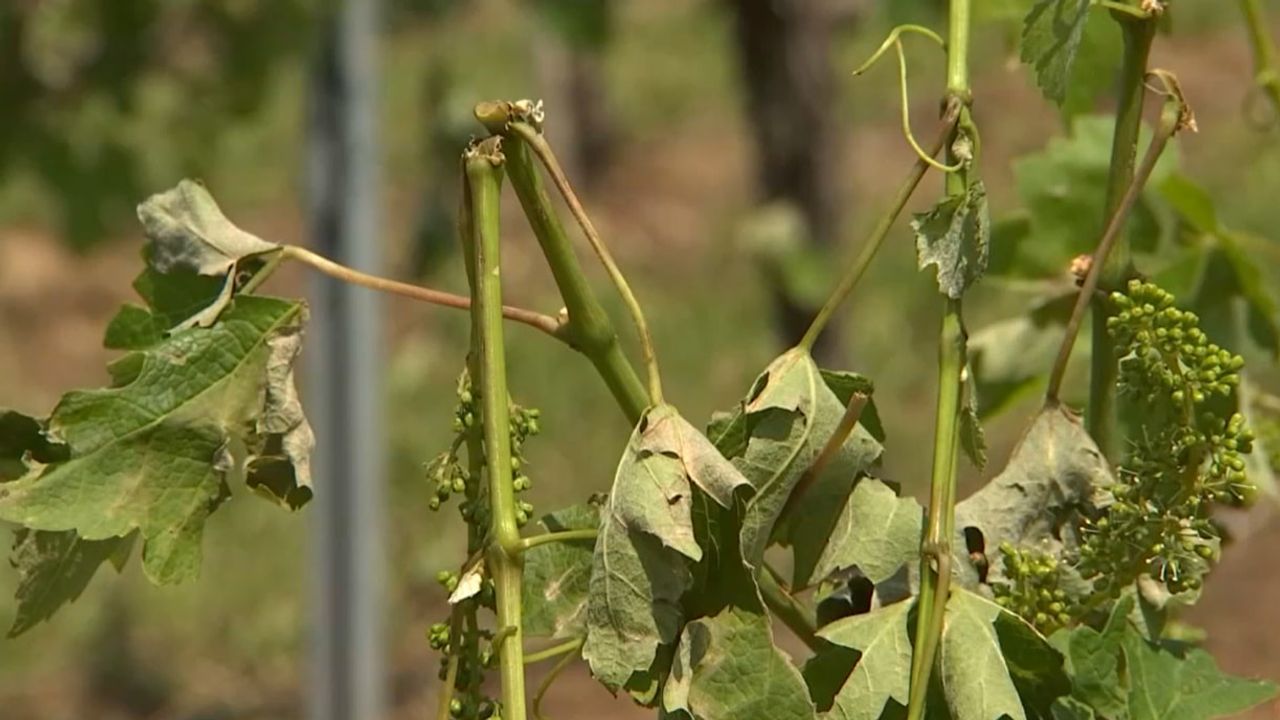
976	545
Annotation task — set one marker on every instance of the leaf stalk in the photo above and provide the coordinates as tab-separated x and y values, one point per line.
536	320
529	543
553	651
545	685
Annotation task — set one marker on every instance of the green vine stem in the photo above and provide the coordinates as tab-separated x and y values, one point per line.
935	556
1138	34
484	179
473	438
1171	118
935	563
538	144
881	231
588	327
1266	73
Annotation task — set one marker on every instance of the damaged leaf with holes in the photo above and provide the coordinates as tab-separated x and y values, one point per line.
642	557
156	453
775	436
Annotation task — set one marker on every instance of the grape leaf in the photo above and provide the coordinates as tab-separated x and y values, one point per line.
1230	273
1096	66
633	601
980	676
1226	273
1063	190
1191	202
188	231
1008	358
1093	660
54	568
171	298
153	454
773	439
1118	673
1054	473
1169	685
844	384
972	438
883	669
557	576
640	566
1051	35
1036	667
955	236
1068	708
727	666
876	532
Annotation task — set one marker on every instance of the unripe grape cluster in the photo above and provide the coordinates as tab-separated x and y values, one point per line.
524	425
473	651
451	478
1184	458
1032	588
1164	353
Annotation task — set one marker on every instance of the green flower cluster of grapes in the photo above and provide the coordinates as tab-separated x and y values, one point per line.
524	425
1032	588
450	478
472	649
1184	458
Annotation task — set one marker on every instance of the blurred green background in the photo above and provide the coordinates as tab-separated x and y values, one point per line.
107	101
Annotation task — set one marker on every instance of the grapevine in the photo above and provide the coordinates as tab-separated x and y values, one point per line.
1017	601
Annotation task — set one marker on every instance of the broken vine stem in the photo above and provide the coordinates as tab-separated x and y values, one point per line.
587	327
484	179
542	149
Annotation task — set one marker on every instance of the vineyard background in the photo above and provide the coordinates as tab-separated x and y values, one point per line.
675	190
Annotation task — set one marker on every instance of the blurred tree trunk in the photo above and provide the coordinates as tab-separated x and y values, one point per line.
569	54
784	49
